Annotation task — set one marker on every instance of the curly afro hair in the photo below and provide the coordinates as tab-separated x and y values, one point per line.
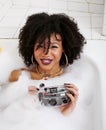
40	26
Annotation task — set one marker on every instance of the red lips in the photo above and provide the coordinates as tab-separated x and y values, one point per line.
46	61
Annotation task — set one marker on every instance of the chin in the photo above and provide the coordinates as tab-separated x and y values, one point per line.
46	67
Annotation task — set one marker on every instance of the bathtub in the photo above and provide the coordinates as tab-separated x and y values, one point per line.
95	52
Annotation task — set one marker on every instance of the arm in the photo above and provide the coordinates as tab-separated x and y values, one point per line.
14	75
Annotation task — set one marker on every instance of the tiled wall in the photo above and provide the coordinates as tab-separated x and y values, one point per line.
104	20
88	13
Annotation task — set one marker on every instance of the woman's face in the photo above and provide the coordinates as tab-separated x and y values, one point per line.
49	62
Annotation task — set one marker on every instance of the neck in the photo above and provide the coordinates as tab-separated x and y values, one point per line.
43	74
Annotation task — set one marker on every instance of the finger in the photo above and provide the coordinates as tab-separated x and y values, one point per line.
71	86
46	78
72	98
32	90
72	91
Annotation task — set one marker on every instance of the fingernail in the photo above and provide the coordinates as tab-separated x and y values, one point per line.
38	89
66	83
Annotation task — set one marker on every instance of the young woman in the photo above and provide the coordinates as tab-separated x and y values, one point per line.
50	43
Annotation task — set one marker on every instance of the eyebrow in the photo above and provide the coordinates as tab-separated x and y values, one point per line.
55	42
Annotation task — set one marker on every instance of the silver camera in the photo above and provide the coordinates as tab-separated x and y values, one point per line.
53	96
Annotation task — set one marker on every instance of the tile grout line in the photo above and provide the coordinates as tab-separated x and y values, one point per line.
20	23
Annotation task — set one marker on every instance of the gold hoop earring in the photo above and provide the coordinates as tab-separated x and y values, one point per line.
66	58
32	59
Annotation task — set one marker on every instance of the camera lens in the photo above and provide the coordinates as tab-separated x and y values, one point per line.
65	100
42	85
52	102
45	89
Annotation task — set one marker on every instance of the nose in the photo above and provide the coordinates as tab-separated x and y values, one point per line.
46	51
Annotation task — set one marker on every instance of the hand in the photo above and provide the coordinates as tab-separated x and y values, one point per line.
73	95
33	90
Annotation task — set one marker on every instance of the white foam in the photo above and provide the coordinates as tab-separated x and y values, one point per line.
19	110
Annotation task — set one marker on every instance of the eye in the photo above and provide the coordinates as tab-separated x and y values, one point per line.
39	46
54	46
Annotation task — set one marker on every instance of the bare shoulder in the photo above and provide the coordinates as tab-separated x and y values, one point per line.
14	75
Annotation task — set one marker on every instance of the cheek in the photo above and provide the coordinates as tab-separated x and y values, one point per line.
36	54
58	54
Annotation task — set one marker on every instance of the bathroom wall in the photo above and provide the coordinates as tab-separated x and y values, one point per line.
104	20
89	14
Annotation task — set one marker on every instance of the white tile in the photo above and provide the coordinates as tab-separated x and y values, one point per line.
0	5
39	3
16	33
13	17
35	10
104	30
4	9
97	20
30	12
84	22
77	13
62	0
96	33
94	8
104	24
56	4
1	15
104	18
75	6
7	32
86	33
97	1
103	37
82	1
88	1
17	11
10	21
2	2
83	19
20	2
105	7
52	11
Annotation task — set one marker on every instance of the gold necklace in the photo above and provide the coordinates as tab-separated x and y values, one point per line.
42	74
